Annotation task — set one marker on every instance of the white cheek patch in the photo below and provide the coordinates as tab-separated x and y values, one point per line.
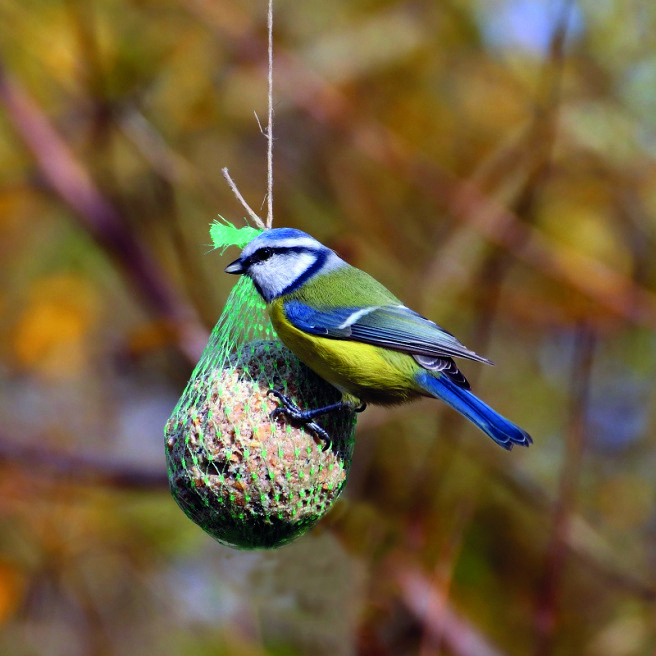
280	271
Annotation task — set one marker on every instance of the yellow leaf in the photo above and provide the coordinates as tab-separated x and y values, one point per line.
50	334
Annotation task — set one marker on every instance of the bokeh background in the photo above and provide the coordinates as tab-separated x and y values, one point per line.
491	161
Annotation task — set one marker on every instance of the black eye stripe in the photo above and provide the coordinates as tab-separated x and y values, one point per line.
266	252
259	255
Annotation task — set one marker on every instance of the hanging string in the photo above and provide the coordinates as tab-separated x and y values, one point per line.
268	133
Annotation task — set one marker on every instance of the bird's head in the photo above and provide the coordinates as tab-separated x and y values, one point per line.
279	261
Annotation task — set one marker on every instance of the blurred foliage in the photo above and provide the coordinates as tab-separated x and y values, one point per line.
491	161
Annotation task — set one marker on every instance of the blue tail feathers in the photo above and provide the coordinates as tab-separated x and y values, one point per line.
503	432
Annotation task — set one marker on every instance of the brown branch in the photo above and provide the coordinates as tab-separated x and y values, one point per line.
81	468
557	550
326	103
71	182
442	578
583	540
537	147
441	622
495	264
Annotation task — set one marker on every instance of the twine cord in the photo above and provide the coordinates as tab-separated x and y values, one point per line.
268	133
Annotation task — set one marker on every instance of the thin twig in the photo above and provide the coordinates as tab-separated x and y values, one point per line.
269	135
256	219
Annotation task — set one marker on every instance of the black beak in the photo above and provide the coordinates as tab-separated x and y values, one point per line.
235	267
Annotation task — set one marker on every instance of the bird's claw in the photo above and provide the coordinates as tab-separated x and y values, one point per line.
292	411
278	411
288	407
324	438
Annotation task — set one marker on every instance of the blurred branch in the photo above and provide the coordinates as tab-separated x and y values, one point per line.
536	157
583	541
68	178
169	164
546	614
79	468
326	103
534	162
530	153
442	578
440	621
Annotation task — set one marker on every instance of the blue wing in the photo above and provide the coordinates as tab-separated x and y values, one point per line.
394	327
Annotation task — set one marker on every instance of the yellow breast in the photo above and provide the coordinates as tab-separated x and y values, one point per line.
369	373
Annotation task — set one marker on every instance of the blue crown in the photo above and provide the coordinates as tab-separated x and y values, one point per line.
276	234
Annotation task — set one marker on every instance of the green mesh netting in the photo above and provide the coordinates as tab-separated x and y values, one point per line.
246	479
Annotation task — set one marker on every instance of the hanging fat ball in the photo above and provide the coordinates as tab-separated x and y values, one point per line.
249	480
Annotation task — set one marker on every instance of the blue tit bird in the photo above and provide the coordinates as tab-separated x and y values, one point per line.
354	333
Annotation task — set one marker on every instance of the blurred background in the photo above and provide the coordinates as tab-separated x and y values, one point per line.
493	162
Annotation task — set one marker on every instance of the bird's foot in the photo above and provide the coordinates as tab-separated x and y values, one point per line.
305	417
